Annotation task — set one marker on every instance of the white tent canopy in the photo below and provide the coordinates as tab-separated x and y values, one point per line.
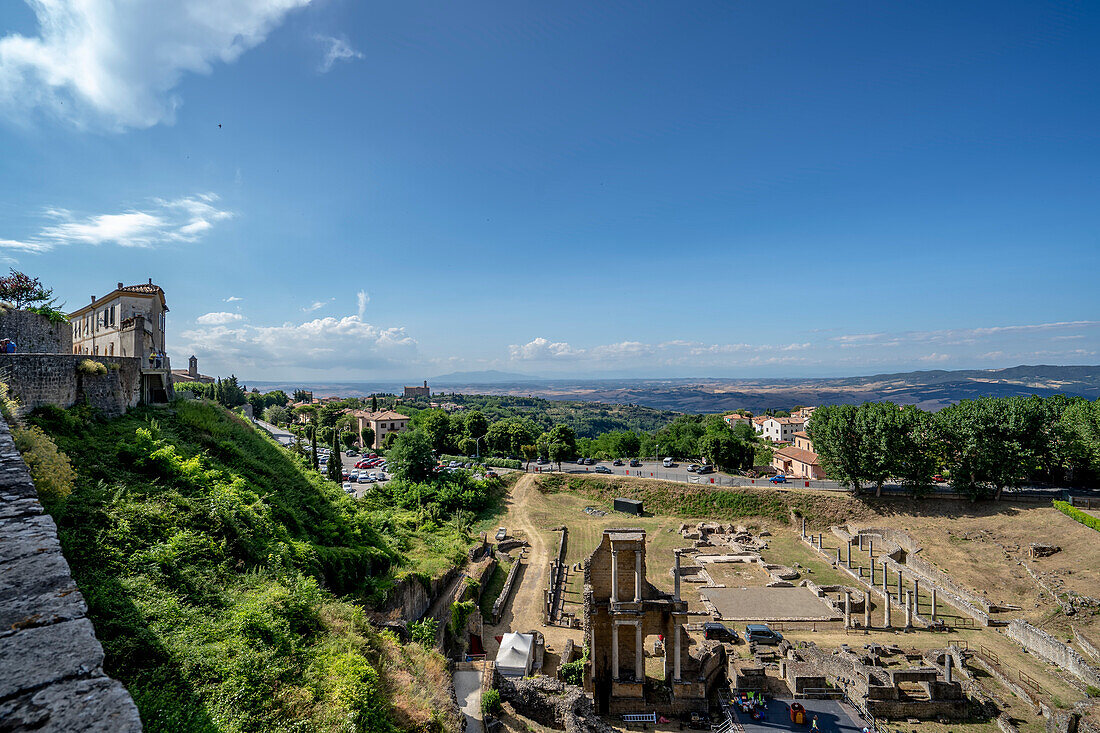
516	654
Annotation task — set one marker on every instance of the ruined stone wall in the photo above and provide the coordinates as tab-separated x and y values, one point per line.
1046	647
53	379
34	334
509	583
51	664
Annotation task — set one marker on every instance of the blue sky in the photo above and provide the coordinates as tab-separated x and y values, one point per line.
397	190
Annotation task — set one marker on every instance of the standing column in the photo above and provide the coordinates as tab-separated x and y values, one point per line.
885	572
933	604
676	576
871	547
872	574
849	554
867	609
916	597
908	609
676	654
860	543
639	661
819	542
803	527
947	668
886	609
614	651
637	575
614	576
847	608
900	586
838	556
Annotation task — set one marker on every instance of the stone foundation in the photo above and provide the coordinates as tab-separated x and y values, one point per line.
53	379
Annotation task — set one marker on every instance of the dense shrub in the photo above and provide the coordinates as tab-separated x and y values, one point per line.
50	469
1076	514
92	368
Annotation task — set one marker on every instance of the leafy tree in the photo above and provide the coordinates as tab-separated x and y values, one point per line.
529	453
423	632
228	392
276	415
436	424
475	425
725	451
744	431
838	440
411	457
301	395
348	439
313	446
561	444
1079	423
680	438
366	437
22	290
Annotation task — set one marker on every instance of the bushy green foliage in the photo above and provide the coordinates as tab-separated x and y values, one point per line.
460	614
1077	515
50	469
483	461
423	632
490	702
223	576
572	673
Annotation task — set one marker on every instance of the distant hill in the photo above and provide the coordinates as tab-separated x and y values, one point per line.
929	390
486	376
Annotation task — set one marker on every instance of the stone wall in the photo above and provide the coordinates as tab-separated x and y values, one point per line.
53	379
51	664
1046	647
34	334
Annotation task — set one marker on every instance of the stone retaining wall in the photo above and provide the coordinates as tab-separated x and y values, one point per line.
53	379
34	334
498	606
1046	647
51	664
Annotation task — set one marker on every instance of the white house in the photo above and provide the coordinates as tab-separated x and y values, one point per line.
782	429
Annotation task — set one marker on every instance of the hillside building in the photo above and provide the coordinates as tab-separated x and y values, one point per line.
781	429
382	423
128	321
191	373
737	418
414	392
798	460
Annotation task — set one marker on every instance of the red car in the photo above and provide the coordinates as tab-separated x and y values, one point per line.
938	479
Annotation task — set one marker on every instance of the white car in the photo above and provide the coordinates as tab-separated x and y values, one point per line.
364	479
348	487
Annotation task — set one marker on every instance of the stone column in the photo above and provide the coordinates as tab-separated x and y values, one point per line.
639	660
819	541
676	654
872	574
933	604
885	573
637	576
676	576
614	650
838	556
614	575
916	597
867	609
803	527
908	609
947	668
847	608
871	547
849	555
900	586
860	542
886	609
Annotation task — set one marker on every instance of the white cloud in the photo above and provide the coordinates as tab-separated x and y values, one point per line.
935	357
219	318
316	305
541	349
639	354
114	63
233	299
363	297
338	50
184	219
324	343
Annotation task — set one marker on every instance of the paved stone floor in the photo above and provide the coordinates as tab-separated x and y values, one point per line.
764	604
832	717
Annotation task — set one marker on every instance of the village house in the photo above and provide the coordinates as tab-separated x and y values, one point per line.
798	460
735	418
128	321
781	429
382	423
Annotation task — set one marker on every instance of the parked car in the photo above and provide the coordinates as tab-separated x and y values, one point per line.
364	479
589	462
580	461
601	469
501	534
468	465
491	473
761	634
348	487
350	452
668	462
617	462
778	479
541	461
693	467
705	468
635	463
719	632
938	479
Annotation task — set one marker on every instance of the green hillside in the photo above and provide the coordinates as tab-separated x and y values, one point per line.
227	581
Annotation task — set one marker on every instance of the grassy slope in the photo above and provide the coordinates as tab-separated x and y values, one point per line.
212	561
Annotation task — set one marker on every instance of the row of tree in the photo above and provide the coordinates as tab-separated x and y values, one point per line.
981	446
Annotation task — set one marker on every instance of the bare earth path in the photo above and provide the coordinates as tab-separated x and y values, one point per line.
524	613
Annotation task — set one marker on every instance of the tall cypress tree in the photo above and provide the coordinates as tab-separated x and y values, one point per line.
313	440
374	403
335	464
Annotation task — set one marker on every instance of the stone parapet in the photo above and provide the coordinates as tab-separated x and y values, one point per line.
35	334
54	379
51	664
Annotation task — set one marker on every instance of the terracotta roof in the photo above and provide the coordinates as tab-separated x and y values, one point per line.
759	420
139	289
736	416
802	434
147	288
384	415
788	420
797	454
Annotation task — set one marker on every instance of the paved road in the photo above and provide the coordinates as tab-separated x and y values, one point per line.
832	717
468	692
277	433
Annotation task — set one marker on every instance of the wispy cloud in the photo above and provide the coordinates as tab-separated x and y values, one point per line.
336	49
316	305
233	299
183	219
363	297
115	64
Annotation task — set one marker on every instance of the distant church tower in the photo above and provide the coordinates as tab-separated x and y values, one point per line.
193	367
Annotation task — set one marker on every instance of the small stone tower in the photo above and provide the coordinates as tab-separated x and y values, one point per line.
193	367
